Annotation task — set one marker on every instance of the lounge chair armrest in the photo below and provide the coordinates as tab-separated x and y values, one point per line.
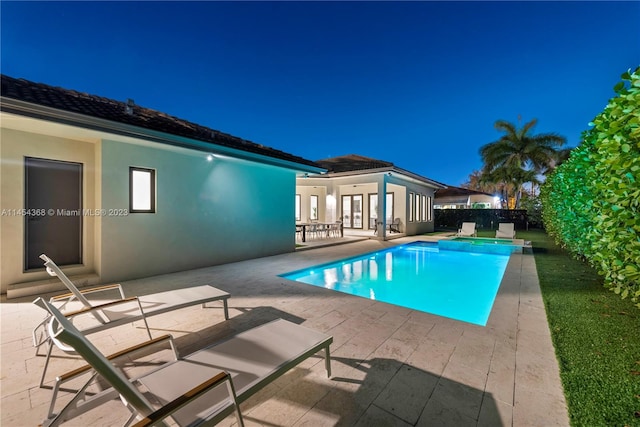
168	409
99	307
115	356
90	291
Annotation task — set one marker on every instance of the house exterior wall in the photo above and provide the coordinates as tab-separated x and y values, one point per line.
418	226
472	201
14	147
207	213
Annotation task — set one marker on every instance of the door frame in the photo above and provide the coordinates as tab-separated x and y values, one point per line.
51	211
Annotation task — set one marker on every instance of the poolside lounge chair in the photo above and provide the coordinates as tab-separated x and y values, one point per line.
506	230
125	310
246	363
468	229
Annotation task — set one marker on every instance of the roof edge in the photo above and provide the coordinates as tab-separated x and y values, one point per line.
42	112
435	184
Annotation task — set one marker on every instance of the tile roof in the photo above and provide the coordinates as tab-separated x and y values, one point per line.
131	114
352	162
355	163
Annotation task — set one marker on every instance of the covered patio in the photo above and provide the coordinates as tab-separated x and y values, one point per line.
349	193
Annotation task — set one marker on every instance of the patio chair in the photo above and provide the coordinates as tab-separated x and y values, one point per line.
506	230
468	229
98	317
245	363
394	226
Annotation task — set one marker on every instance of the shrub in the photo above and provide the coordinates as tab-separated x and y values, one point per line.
531	203
591	202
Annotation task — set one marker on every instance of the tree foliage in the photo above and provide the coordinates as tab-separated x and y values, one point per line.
519	156
591	202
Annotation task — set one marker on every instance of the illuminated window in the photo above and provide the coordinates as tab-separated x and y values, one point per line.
142	190
298	214
411	206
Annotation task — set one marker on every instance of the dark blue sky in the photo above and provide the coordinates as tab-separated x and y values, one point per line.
419	84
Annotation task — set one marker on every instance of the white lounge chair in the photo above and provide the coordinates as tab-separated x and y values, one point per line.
246	363
468	229
506	230
98	317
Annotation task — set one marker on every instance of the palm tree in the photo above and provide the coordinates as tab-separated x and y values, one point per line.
518	155
477	182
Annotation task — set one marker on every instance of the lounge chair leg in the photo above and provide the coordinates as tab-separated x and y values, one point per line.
225	306
327	361
71	407
144	319
46	363
232	393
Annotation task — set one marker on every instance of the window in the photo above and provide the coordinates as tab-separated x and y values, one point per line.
298	214
429	209
314	208
411	206
373	211
418	208
424	208
142	190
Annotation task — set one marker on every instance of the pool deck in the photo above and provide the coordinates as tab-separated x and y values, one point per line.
391	366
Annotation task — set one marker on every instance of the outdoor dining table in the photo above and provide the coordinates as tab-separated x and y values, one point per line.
302	227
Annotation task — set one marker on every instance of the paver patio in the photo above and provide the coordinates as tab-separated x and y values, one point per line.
391	365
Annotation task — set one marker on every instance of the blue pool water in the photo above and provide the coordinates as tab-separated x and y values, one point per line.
454	284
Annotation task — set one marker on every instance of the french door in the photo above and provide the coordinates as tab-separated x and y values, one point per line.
352	211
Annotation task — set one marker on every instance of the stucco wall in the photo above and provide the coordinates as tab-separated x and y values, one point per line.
207	213
14	147
419	227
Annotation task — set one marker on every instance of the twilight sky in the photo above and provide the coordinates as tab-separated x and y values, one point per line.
419	84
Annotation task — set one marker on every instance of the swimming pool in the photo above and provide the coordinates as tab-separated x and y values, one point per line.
419	276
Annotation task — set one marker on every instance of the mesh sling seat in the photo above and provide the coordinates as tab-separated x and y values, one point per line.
246	363
468	229
93	318
506	230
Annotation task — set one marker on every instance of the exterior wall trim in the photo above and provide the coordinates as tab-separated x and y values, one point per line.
41	112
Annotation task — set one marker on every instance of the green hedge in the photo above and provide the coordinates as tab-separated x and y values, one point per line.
591	203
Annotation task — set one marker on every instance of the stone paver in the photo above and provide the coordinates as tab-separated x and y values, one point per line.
391	366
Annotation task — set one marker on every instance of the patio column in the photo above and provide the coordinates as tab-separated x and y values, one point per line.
381	224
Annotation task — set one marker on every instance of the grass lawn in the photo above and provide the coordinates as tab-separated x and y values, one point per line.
596	336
